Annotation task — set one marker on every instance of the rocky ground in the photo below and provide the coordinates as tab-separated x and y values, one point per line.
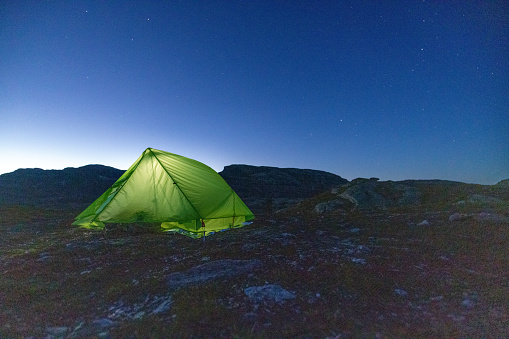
332	272
361	259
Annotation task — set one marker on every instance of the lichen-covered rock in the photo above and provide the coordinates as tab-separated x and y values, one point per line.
483	199
329	206
57	331
484	216
210	271
274	293
150	305
370	193
460	216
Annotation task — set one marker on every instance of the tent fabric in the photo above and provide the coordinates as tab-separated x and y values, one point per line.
184	195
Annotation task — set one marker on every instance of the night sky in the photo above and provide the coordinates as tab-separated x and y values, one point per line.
389	89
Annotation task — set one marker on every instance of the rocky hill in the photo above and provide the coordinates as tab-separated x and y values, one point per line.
262	188
56	188
369	194
410	196
267	189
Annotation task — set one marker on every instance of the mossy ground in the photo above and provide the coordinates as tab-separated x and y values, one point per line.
354	274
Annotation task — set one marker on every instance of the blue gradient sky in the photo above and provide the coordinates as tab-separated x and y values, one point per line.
396	89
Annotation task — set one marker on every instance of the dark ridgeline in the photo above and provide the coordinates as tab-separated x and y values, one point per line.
260	187
265	190
56	188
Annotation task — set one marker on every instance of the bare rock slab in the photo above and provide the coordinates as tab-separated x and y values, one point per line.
210	271
274	293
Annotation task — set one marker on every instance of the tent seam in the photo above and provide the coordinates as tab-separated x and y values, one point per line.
176	184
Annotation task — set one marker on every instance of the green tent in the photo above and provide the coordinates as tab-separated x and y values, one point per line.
184	195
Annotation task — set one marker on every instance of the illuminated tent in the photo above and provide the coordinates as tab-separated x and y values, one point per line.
184	195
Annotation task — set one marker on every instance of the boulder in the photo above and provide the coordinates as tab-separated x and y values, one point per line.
459	216
329	206
370	193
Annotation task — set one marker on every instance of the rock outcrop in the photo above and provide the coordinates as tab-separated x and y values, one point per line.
373	194
274	293
210	271
268	189
503	183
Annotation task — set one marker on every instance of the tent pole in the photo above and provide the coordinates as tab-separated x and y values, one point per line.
233	221
203	226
